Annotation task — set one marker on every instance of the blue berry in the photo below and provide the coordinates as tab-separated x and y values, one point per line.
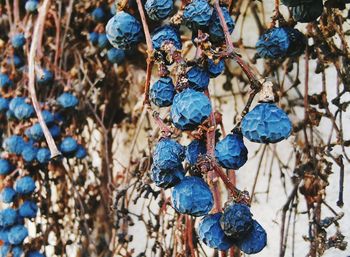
4	104
10	115
31	6
115	55
215	69
165	34
211	233
5	81
43	155
8	217
18	40
162	92
192	196
48	117
231	152
29	153
167	178
25	185
194	150
297	43
46	77
93	37
197	14
28	209
80	152
159	9
55	131
168	154
14	144
254	241
15	102
190	108
35	254
8	195
35	132
4	233
198	78
308	12
15	60
17	251
5	167
67	100
98	14
102	41
266	123
123	31
24	111
236	220
273	43
215	30
17	234
68	145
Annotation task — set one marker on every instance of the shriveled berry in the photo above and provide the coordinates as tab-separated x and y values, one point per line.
68	145
190	108
123	31
162	92
215	69
67	100
165	34
55	131
211	234
167	178
102	41
45	77
266	123
4	104
24	111
168	154
231	152
17	234
15	102
192	196
98	14
43	155
28	209
115	55
29	153
159	9
273	43
25	185
5	81
194	150
93	37
8	217
31	6
254	241
215	29
308	12
80	152
297	43
48	117
197	14
198	78
18	40
236	221
14	144
35	132
5	167
8	194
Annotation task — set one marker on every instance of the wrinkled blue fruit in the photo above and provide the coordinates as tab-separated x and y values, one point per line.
98	14
28	209
216	32
8	217
102	41
24	111
297	44
67	100
115	55
211	234
168	154
31	6
29	153
215	69
4	104
35	132
68	145
17	234
198	78
165	34
46	77
308	12
8	195
5	167
231	152
167	178
254	241
192	196
43	155
5	81
8	250
48	117
93	37
266	123
25	185
291	3
80	152
197	14
159	9
123	31
162	92
14	144
18	40
194	150
190	108
15	102
236	220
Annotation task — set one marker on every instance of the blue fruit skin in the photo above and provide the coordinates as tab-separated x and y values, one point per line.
215	30
164	34
35	254
29	153
4	235
48	117
190	108
43	155
18	40
162	92
102	41
14	144
266	123
231	152
6	249
24	111
197	14
168	154
68	145
211	234
308	12
297	44
167	178
67	100
123	31
81	152
98	14
45	78
5	167
15	102
5	81
192	196
35	132
273	44
236	220
17	251
93	37
215	70
254	241
17	234
159	9
55	131
8	217
115	55
8	195
28	209
4	104
25	185
31	6
15	60
194	150
198	78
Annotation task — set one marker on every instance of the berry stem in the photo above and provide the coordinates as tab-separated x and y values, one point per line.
31	73
164	128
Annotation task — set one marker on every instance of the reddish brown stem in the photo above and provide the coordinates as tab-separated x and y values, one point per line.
189	226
